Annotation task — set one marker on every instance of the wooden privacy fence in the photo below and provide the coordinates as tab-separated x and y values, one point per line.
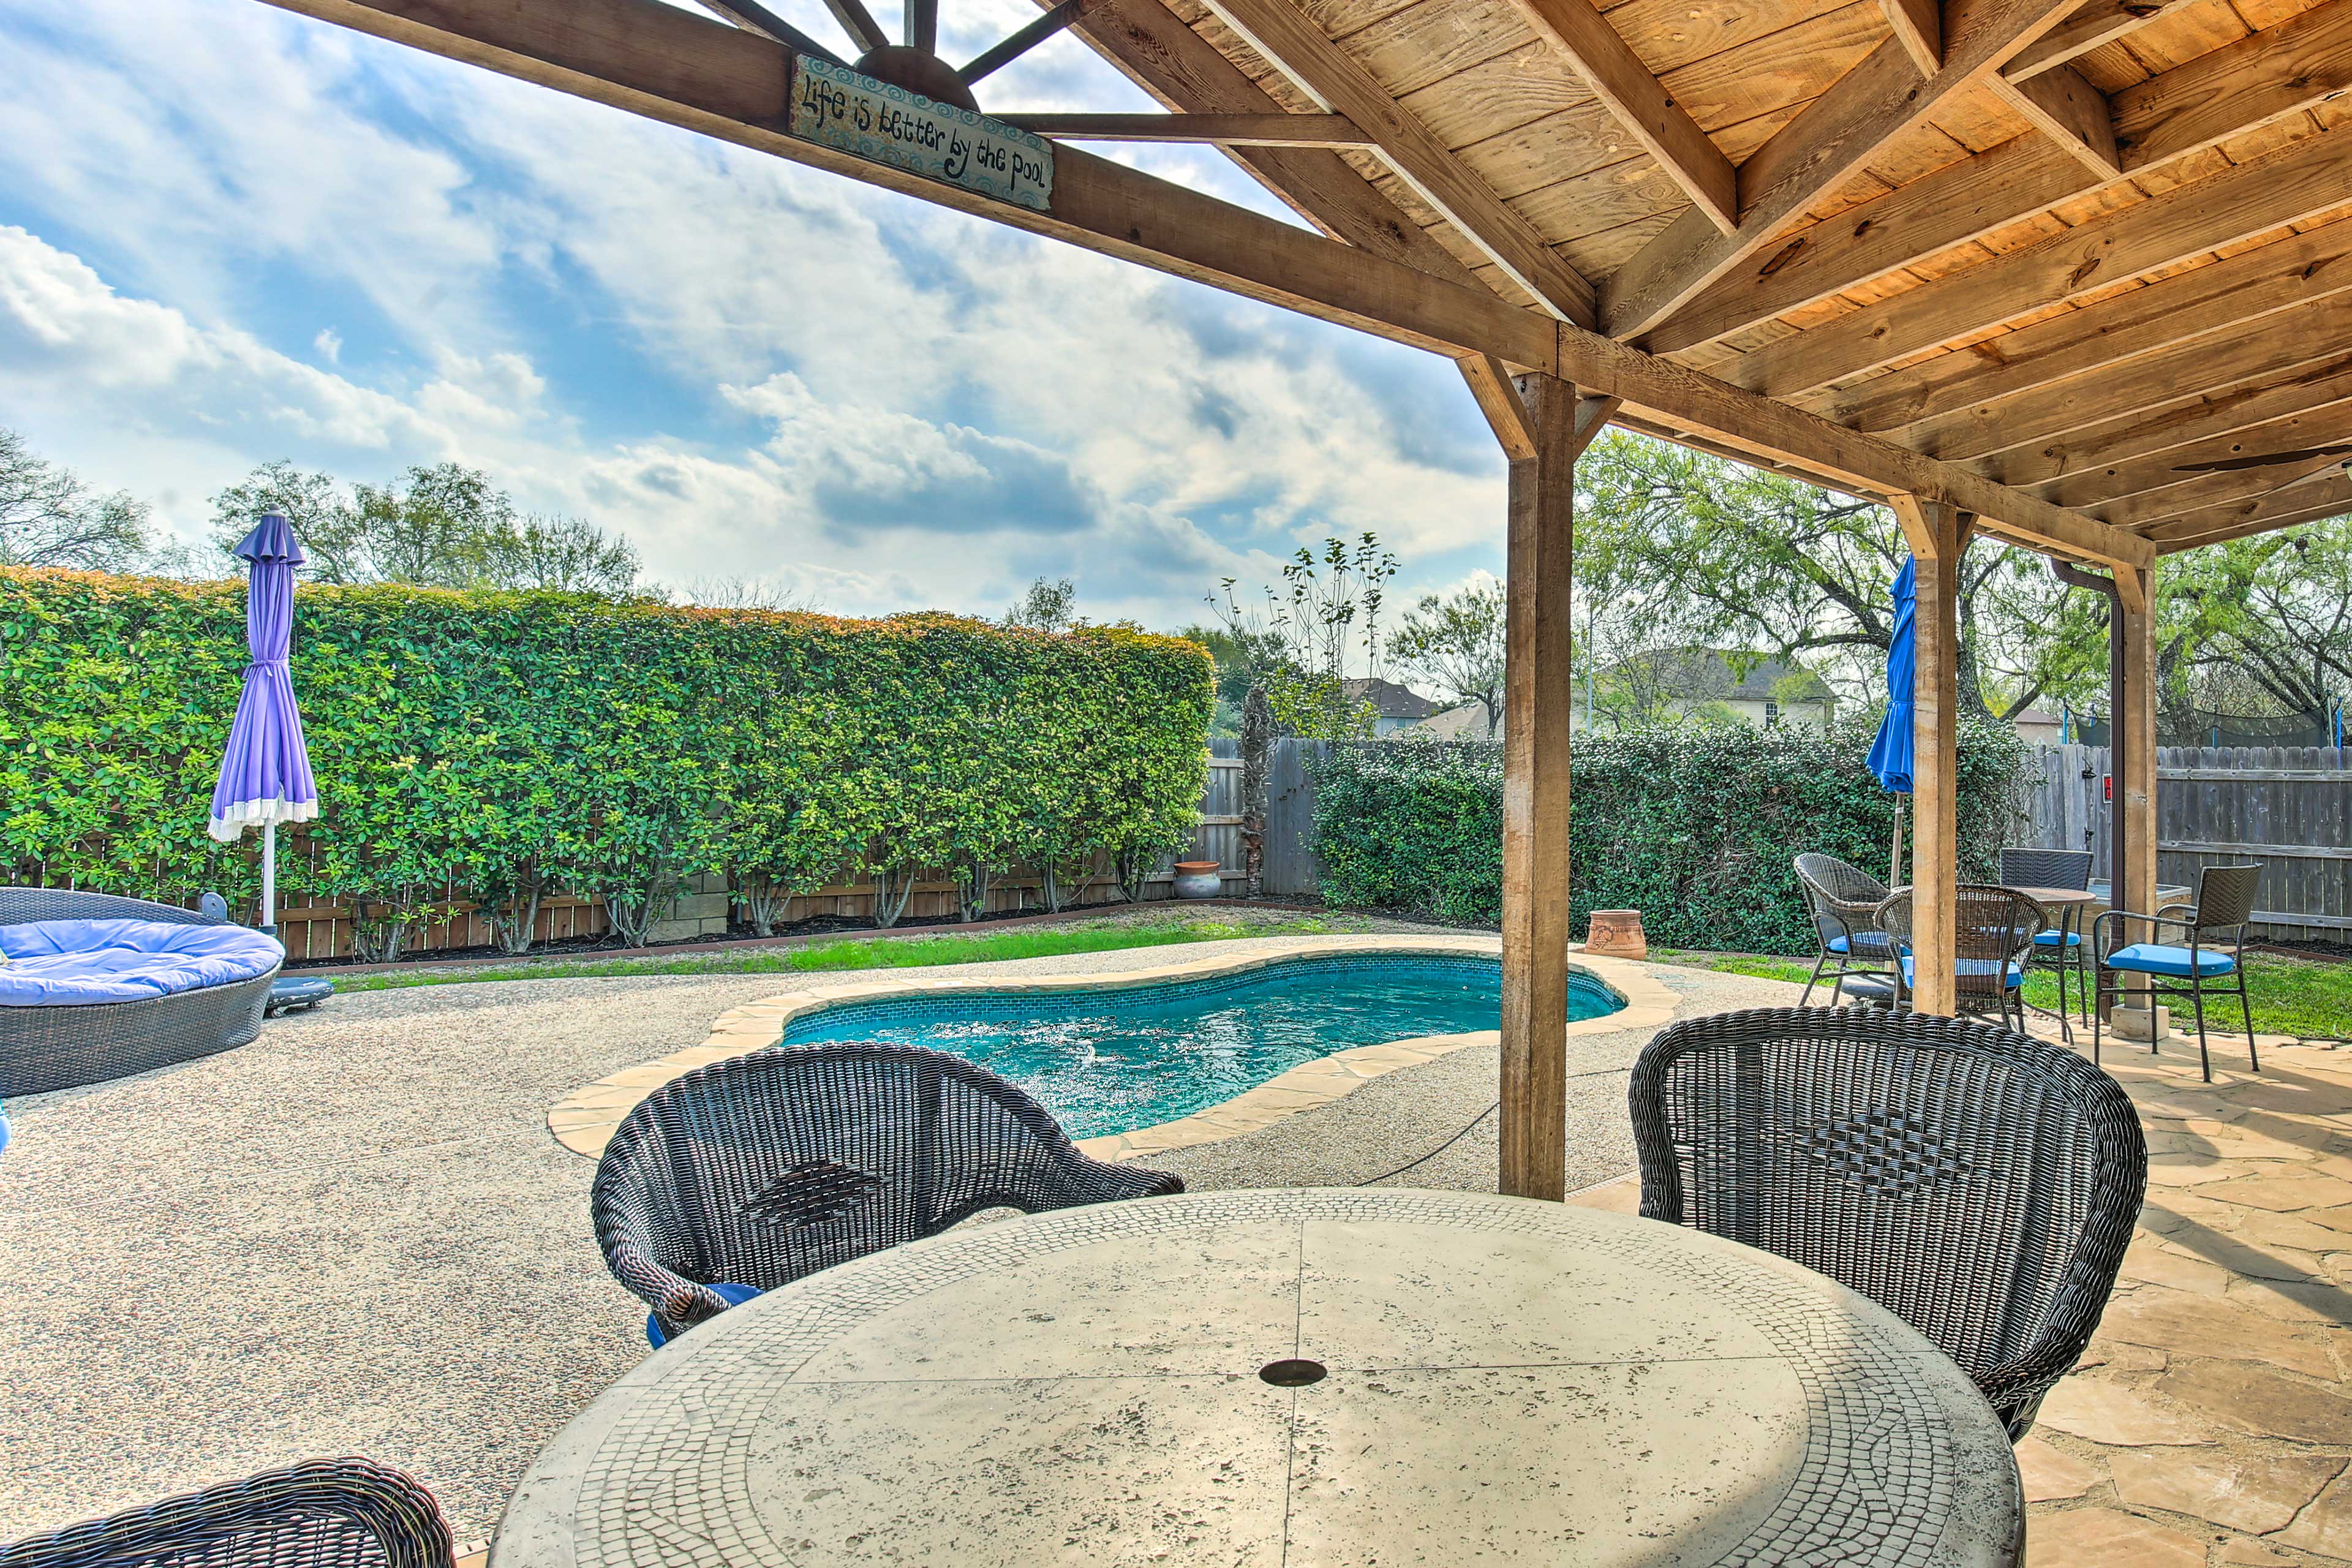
2289	808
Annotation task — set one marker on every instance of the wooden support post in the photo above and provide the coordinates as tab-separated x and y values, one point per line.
2131	756
1937	533
1536	698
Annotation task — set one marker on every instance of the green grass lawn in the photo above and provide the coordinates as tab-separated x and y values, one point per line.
888	953
2306	998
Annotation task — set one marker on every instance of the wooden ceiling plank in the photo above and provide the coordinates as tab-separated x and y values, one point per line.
2196	493
2070	112
1835	139
1152	47
2195	368
1958	203
2263	77
1621	82
2327	421
1694	402
1918	27
2094	25
2094	452
1283	35
2306	502
1220	129
2245	289
2299	181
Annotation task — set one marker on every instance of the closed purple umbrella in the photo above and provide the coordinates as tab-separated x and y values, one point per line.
265	777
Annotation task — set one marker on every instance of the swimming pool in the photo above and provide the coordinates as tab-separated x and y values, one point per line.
1109	1059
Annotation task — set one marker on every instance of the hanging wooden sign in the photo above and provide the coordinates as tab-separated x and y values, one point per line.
838	107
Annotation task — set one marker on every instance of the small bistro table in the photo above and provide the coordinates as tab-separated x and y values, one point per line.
2069	903
1320	1377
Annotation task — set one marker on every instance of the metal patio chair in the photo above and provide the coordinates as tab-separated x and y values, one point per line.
326	1513
2061	947
1843	902
2217	921
753	1172
1979	1183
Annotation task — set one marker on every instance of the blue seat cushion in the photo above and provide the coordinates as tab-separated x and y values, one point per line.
2157	958
64	963
2053	938
1870	943
733	1294
1973	969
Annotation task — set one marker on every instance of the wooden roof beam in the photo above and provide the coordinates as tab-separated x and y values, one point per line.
2298	180
1918	27
2093	24
2061	469
2263	77
2196	492
752	16
1976	196
1834	139
1296	46
2325	421
1861	464
2239	291
1218	129
2308	501
1628	89
2070	112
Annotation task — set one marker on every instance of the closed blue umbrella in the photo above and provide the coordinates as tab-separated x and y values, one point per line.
1890	753
265	776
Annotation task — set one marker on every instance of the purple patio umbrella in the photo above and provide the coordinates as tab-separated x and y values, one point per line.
265	776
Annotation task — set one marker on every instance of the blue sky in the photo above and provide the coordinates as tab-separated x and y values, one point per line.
229	234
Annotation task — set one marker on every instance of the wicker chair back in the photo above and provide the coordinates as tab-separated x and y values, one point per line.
1980	1185
2046	868
327	1513
2225	896
1992	934
767	1167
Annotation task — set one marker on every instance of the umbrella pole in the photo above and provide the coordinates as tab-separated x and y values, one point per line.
269	878
1894	852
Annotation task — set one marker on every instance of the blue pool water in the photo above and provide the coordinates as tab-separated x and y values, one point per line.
1112	1060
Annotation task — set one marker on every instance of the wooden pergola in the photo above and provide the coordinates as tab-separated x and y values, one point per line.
2072	273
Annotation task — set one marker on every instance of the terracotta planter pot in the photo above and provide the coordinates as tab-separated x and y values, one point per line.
1198	879
1617	933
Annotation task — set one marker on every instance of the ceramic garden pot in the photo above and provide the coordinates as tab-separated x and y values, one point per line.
1198	879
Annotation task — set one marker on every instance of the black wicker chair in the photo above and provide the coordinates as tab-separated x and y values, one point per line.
2061	946
2217	919
45	1048
1980	1185
1992	937
763	1168
327	1513
1843	902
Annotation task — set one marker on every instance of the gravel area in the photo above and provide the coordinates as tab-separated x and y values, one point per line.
356	1235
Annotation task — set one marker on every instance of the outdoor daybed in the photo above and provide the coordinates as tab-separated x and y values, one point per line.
97	987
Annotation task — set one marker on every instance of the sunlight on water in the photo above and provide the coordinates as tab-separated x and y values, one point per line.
1109	1060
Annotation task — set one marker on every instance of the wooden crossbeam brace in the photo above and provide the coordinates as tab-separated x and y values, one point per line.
752	16
1011	47
1219	129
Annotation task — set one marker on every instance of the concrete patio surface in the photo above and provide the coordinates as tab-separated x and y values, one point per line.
356	1235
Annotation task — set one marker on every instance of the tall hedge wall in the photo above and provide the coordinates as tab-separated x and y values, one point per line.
516	743
1693	826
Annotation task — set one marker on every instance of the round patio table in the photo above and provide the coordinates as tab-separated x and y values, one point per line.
1321	1376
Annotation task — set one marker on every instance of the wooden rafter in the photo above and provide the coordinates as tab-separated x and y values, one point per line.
2236	293
1629	92
2198	492
2263	77
1013	45
1292	42
2072	112
2090	454
2323	422
2298	180
1219	129
1832	140
2093	24
1976	195
2305	503
755	17
1918	27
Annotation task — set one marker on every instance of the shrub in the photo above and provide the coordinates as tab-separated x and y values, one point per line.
505	745
1693	826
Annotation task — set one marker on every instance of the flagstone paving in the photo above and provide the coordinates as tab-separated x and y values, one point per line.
2212	1422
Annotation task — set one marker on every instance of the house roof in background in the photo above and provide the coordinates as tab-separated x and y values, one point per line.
1389	699
1706	674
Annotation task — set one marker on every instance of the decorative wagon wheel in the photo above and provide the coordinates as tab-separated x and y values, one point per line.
914	62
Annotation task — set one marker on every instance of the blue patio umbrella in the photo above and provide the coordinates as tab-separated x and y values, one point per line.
1890	753
265	776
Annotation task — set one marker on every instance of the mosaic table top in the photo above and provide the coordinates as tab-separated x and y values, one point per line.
1325	1376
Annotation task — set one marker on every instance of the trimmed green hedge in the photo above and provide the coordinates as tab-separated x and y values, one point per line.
512	744
1693	826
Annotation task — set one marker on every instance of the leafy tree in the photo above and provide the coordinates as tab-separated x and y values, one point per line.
1456	644
50	517
1049	605
1328	606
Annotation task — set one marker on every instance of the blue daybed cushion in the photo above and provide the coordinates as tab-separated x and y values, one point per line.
64	963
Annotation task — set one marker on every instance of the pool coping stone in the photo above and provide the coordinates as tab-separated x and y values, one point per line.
585	1120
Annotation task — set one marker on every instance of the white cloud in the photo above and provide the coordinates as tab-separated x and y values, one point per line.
751	369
